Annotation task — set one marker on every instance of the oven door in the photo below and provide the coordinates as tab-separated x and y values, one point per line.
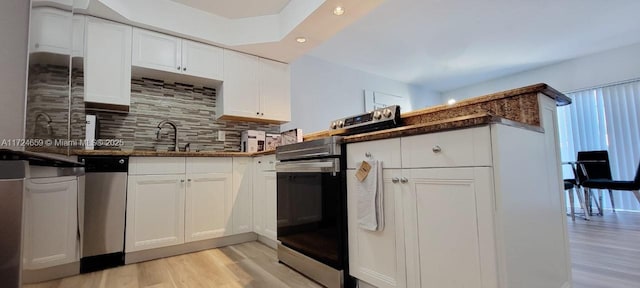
312	209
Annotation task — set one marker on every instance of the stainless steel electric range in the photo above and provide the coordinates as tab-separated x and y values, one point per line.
312	199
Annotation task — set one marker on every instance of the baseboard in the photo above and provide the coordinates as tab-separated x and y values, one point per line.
51	273
362	284
151	254
268	241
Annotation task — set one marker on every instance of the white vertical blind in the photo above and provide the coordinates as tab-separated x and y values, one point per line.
604	118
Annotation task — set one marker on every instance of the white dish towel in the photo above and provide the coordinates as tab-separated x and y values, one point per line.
371	199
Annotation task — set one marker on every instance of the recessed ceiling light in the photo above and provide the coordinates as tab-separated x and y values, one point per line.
338	11
301	39
451	101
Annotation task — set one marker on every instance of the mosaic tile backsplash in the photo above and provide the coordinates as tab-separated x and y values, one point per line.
47	99
191	107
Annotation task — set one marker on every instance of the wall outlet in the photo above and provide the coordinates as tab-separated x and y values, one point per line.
221	135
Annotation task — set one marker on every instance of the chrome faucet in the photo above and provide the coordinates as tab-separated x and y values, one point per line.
48	119
175	131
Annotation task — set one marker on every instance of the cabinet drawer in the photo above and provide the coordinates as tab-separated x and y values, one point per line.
156	165
266	163
458	148
209	165
387	151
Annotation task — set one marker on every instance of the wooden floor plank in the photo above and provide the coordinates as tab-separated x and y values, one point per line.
605	253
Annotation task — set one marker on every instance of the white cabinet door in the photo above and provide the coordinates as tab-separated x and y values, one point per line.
202	60
269	205
50	31
107	62
51	222
258	196
378	257
242	195
155	211
240	87
208	213
275	90
156	51
448	228
78	36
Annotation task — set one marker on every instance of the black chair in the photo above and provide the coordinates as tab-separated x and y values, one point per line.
633	186
571	186
594	165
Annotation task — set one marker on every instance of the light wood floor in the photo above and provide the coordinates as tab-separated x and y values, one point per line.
245	265
606	251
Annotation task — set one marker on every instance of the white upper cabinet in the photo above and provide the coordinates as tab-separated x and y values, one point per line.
78	36
50	31
156	51
274	89
254	88
168	53
240	88
202	60
107	63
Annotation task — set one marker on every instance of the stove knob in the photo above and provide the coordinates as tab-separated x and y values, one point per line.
377	115
340	124
334	125
386	113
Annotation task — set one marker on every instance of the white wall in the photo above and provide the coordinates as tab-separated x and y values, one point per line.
422	96
322	91
14	30
593	70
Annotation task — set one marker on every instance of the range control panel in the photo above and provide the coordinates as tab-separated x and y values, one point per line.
382	118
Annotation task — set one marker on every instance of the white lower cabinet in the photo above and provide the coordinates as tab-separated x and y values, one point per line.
449	227
378	257
432	230
242	196
465	215
264	198
196	199
155	211
51	222
207	213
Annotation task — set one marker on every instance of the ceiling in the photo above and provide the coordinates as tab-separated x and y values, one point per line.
237	8
447	44
267	28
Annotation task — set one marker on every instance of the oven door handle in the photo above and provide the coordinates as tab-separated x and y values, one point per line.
322	166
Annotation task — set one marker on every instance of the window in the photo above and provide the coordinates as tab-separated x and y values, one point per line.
604	118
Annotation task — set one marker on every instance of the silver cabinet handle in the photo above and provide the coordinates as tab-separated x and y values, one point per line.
436	149
178	67
181	180
367	154
257	113
188	180
395	180
404	180
184	69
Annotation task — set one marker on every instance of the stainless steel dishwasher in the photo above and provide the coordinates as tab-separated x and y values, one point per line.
104	212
